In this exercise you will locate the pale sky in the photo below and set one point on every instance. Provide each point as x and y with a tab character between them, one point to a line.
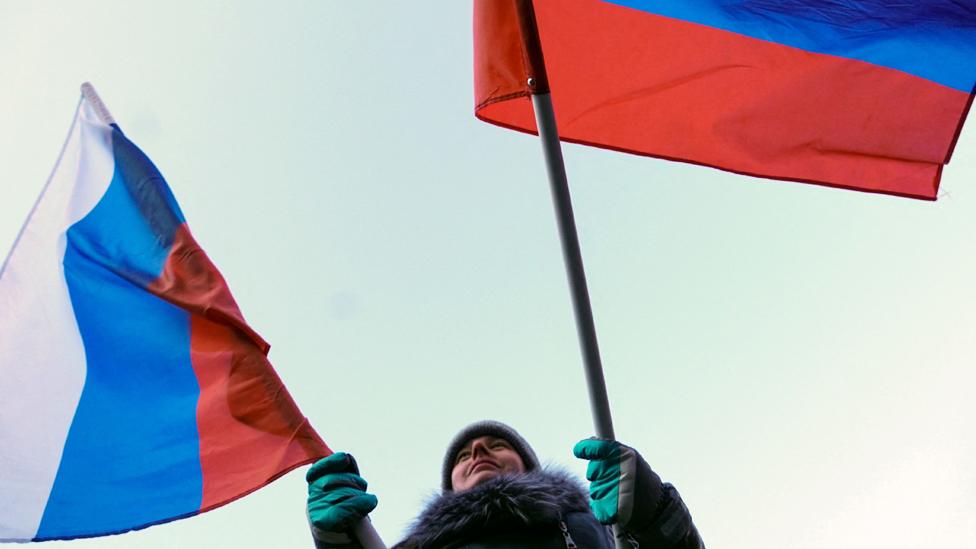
797	360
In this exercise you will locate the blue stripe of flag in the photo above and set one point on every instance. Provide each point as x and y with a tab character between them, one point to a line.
932	39
131	457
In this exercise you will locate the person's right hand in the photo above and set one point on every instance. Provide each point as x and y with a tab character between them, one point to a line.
337	497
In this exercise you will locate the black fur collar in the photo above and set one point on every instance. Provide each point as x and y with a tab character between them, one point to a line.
500	504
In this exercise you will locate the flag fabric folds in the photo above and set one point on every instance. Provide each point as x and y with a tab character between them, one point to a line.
132	392
865	94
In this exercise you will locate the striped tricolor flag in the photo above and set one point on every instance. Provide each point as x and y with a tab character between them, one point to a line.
860	94
132	392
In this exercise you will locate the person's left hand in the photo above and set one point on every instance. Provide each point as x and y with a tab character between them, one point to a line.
337	497
612	473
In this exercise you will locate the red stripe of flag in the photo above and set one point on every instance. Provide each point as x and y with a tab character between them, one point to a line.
251	431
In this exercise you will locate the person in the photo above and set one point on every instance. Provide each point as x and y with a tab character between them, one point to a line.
494	494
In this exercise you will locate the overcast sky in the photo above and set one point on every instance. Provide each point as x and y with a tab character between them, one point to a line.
797	360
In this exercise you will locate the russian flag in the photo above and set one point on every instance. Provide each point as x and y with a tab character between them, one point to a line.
861	94
132	392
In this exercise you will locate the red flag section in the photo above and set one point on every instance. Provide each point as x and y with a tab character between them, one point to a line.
626	79
251	431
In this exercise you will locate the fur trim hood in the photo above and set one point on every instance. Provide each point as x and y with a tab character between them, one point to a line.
500	504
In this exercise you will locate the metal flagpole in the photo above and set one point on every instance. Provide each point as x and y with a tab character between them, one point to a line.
545	118
367	535
546	121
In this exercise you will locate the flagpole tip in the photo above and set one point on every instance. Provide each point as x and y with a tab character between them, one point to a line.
90	95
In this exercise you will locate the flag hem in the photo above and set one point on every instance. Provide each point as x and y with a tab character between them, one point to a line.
962	121
935	182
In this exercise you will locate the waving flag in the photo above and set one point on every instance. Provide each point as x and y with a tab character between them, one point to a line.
862	94
132	392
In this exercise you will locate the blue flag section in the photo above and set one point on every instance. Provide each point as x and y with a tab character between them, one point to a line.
932	39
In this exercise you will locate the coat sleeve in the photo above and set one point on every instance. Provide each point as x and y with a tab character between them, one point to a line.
670	527
660	519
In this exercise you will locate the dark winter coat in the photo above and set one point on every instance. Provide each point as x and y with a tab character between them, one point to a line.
540	510
526	510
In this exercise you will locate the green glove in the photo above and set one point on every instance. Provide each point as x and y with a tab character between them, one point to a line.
612	474
337	497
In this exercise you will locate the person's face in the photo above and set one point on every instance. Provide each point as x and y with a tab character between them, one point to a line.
484	458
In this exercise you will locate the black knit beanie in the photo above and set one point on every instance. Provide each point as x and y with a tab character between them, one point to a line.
480	429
